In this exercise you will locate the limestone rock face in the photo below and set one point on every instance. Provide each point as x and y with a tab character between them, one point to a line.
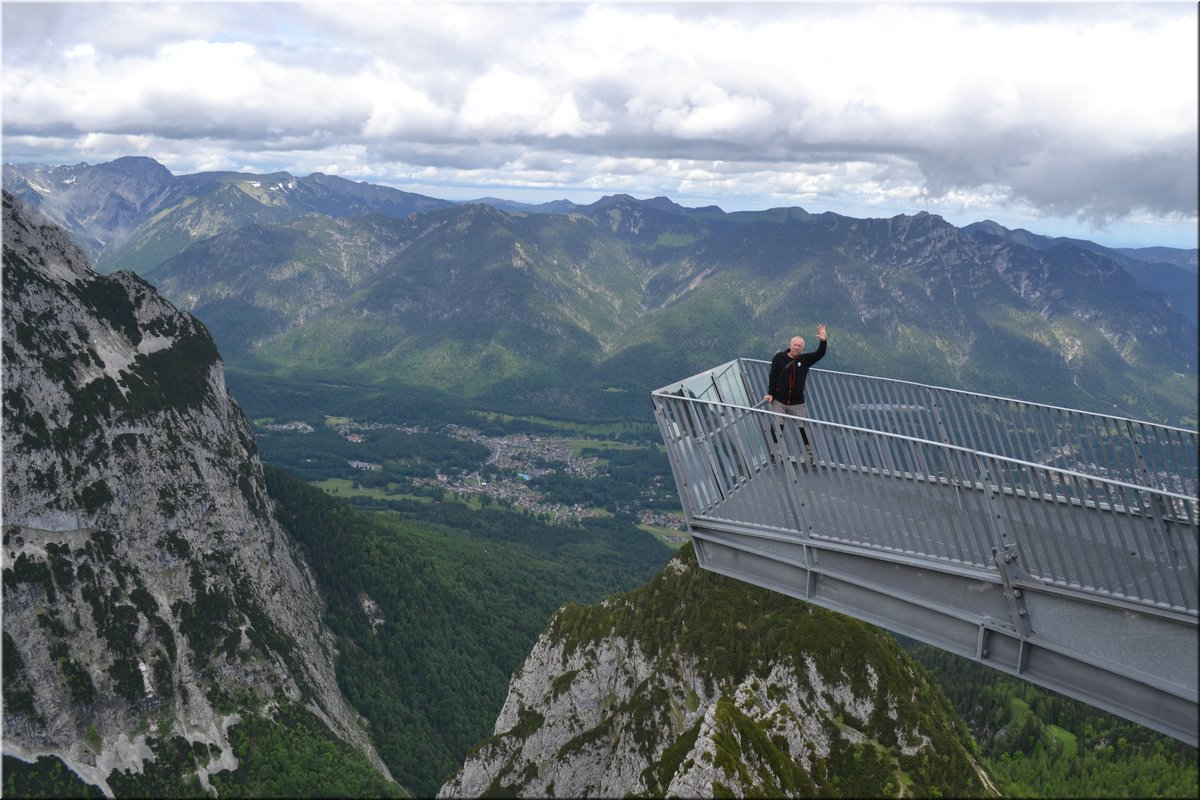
698	686
147	585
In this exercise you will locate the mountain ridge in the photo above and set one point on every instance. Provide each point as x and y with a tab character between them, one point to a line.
585	312
21	180
563	308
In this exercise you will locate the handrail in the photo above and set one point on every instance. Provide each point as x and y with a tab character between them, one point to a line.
917	440
984	395
1143	452
783	418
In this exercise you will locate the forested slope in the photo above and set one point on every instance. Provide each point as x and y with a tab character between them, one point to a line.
1038	743
434	609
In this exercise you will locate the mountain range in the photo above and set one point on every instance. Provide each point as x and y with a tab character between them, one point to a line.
579	310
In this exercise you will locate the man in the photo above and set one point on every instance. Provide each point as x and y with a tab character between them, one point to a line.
785	387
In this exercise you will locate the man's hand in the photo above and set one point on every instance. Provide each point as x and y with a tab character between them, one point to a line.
821	332
767	398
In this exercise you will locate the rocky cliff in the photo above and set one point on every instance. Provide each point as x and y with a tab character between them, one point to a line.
699	686
148	590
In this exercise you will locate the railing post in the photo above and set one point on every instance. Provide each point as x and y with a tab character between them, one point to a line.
1157	506
681	479
955	477
1005	553
746	387
1139	458
716	387
943	434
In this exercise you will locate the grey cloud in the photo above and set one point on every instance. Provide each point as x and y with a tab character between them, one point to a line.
1084	179
1101	190
450	156
34	31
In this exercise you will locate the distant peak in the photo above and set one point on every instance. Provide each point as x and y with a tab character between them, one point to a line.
629	201
664	204
138	165
126	160
987	226
613	199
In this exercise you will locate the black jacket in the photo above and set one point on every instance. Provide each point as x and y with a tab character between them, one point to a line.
786	384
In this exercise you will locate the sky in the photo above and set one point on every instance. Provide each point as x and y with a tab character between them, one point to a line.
1073	119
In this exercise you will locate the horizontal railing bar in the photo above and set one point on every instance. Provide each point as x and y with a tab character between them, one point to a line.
965	393
944	446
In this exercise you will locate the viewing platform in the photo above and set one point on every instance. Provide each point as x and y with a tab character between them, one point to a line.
1052	544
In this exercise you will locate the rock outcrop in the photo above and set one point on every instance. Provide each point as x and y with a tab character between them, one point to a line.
700	686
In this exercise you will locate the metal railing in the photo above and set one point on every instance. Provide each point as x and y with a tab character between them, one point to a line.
1143	453
1085	502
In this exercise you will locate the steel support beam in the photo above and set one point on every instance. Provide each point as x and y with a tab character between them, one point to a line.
1144	668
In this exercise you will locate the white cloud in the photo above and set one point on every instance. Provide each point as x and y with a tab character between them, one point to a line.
1072	111
397	107
83	50
502	103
